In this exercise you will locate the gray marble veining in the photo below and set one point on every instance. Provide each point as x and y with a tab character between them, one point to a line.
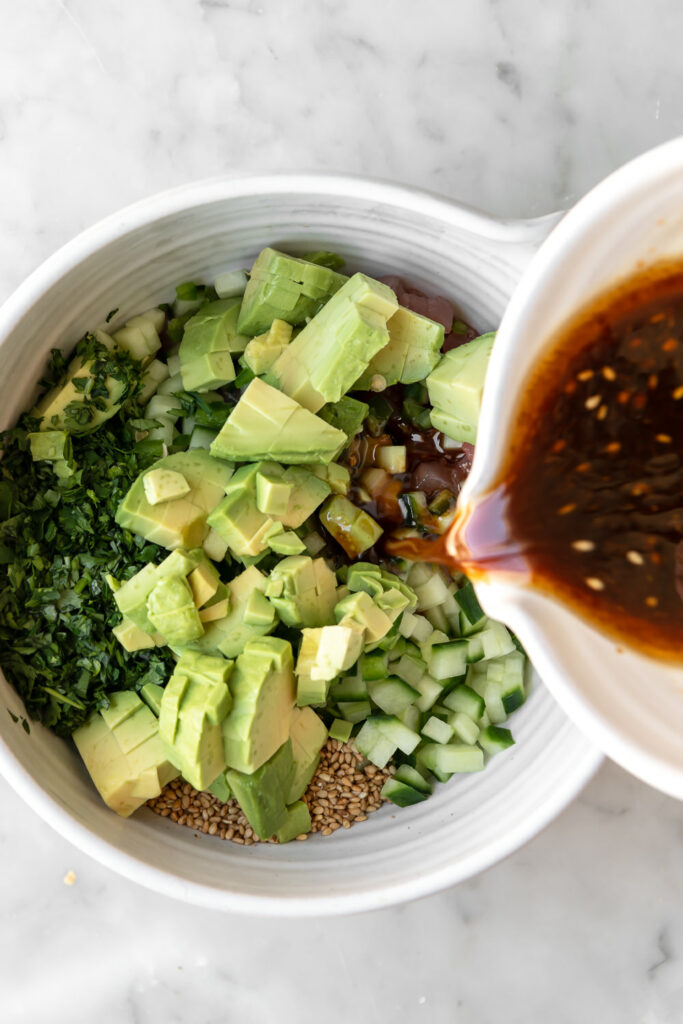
514	107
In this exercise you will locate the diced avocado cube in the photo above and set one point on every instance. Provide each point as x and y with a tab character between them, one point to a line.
262	687
123	753
337	477
131	597
131	637
456	387
220	788
164	485
209	338
284	287
217	608
63	407
51	445
412	352
238	521
155	374
172	611
334	348
204	581
262	794
152	693
214	546
308	735
180	523
229	635
362	609
204	668
303	591
340	730
190	720
273	493
298	823
347	414
328	651
353	529
287	543
266	424
262	351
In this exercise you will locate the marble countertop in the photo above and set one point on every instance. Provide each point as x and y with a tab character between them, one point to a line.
513	107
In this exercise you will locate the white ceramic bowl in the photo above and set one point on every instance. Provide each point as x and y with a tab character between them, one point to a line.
132	260
632	706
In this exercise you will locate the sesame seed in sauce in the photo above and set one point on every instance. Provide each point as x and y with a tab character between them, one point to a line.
585	375
593	402
635	558
651	601
602	412
583	545
663	438
608	373
594	583
566	509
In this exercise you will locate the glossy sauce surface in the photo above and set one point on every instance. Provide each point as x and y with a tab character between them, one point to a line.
589	504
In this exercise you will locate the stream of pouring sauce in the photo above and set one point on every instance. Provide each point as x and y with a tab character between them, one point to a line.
588	505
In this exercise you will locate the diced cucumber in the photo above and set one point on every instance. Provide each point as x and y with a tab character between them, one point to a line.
412	777
467	628
349	688
230	284
392	695
496	640
415	627
402	794
438	619
452	757
375	745
435	729
404	738
467	599
464	728
411	717
429	691
448	659
493	739
432	593
374	666
355	710
475	648
464	698
410	668
341	730
311	691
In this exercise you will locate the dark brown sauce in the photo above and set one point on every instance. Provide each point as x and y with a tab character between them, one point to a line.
589	503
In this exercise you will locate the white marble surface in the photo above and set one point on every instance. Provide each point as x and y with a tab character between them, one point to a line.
514	107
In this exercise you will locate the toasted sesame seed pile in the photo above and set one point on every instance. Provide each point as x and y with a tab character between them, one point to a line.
343	791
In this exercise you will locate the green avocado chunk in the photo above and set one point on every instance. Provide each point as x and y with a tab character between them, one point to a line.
262	351
263	692
182	522
195	702
308	735
298	822
262	794
172	611
335	347
131	596
283	287
51	445
251	615
266	424
347	414
303	591
64	406
413	350
123	753
209	338
353	528
456	387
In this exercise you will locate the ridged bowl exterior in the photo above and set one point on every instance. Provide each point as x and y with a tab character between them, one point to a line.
133	260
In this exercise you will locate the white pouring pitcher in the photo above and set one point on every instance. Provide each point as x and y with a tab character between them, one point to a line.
629	704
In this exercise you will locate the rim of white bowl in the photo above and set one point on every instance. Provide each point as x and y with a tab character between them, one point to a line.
83	245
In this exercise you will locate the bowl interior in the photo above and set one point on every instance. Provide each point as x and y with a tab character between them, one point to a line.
631	220
133	262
